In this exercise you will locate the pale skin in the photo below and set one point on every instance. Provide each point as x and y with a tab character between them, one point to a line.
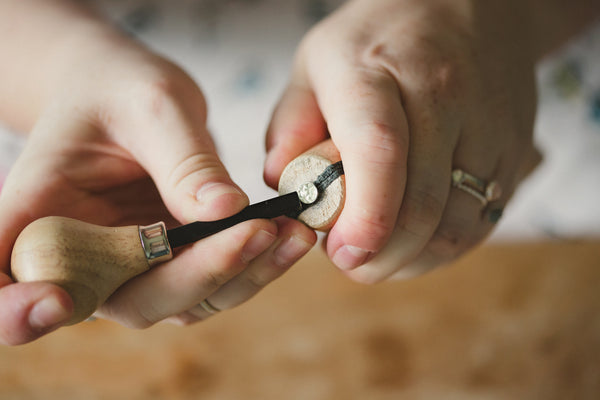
407	90
117	136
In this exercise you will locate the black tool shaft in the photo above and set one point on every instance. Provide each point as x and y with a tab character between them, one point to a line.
289	205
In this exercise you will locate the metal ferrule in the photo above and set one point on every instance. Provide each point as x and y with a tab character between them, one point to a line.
155	243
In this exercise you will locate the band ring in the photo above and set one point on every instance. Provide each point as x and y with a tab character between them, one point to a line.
484	192
209	308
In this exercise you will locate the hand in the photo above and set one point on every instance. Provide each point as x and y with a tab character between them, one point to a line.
408	91
124	142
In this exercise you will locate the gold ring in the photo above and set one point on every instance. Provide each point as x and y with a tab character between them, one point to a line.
209	308
484	192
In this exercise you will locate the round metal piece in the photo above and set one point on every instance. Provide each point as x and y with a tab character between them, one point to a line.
308	193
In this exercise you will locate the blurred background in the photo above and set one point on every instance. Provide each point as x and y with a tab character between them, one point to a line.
240	53
518	318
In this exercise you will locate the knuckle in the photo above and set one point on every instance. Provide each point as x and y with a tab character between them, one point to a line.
216	279
130	314
374	228
257	281
383	142
142	320
442	77
131	310
448	243
163	88
421	213
438	73
156	94
217	276
441	83
208	163
379	54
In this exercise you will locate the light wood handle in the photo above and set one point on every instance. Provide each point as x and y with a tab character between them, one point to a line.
306	168
90	262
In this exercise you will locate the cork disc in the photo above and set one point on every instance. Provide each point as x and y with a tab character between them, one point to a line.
306	168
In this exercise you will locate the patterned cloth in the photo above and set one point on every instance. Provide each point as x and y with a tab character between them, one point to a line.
561	197
240	52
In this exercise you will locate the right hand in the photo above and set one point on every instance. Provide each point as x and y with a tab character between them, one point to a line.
408	91
123	141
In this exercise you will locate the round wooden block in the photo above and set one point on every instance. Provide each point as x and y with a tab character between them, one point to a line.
306	168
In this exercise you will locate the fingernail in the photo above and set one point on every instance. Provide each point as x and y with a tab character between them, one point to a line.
290	250
212	191
48	313
256	245
349	257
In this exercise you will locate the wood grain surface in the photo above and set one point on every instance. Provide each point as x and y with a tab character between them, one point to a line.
89	261
307	168
505	322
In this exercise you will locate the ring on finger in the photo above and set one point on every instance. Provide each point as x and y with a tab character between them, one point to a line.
208	307
484	192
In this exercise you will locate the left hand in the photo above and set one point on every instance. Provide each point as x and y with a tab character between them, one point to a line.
409	91
124	142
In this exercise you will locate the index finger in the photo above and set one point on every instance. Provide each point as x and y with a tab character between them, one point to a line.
365	117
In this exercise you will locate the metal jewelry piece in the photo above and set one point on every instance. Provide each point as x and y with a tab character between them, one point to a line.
484	192
209	308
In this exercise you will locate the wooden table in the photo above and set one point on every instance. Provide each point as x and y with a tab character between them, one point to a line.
505	322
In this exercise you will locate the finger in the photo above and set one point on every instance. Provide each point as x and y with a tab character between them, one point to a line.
170	140
294	241
31	310
423	204
434	132
466	221
296	126
461	228
190	277
367	123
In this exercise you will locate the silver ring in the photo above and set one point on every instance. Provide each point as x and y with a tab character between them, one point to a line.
209	308
484	192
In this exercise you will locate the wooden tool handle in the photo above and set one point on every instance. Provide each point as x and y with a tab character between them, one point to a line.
306	168
90	262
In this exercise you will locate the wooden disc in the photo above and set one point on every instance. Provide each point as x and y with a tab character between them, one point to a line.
306	168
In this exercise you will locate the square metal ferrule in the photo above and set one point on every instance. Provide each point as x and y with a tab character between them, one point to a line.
155	243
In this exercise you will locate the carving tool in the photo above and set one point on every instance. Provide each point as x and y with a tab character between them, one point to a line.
90	262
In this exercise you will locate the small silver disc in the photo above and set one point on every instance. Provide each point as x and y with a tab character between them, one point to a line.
308	193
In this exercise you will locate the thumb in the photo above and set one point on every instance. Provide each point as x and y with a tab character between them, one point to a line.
296	126
193	182
171	142
31	310
27	310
